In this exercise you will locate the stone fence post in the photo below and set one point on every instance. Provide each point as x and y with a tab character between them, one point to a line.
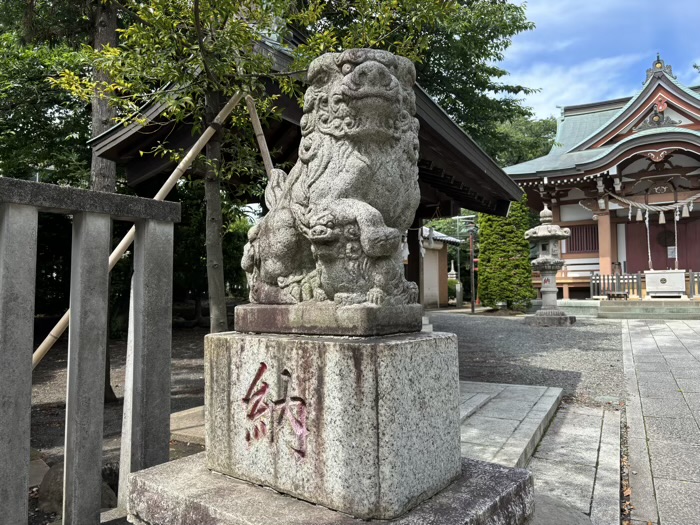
148	398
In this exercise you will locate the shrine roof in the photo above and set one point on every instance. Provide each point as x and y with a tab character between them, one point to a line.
577	162
585	132
440	237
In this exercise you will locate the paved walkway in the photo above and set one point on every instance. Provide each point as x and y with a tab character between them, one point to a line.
662	375
504	423
578	462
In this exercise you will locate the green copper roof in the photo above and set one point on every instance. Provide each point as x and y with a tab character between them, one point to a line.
576	128
581	125
576	161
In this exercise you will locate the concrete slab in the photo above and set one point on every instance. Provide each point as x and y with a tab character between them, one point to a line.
690	385
680	462
473	403
506	408
114	517
659	391
605	506
678	502
37	471
569	448
187	426
660	407
551	511
690	372
185	492
512	422
565	481
643	499
481	387
671	429
480	452
487	430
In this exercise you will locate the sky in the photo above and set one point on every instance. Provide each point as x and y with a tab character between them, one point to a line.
593	50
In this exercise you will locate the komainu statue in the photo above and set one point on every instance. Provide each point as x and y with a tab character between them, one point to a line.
336	221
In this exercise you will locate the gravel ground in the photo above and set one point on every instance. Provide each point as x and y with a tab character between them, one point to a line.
585	360
49	391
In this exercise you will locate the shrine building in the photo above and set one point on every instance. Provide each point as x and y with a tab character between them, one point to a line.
624	176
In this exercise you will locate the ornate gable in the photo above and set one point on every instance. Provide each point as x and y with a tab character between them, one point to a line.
662	103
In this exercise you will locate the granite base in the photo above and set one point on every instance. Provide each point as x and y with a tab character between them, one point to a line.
328	319
185	492
366	426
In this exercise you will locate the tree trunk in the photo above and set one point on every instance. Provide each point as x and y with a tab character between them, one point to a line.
103	172
28	21
218	321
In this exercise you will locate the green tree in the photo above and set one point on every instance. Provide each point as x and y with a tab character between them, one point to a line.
505	274
524	139
190	260
42	130
456	45
187	56
460	69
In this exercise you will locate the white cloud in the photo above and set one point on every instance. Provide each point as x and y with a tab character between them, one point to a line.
593	50
561	13
522	48
593	80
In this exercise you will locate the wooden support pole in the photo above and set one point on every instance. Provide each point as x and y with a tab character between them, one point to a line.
167	187
259	135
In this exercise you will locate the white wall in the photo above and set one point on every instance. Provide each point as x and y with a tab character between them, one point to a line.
581	267
574	212
622	244
431	276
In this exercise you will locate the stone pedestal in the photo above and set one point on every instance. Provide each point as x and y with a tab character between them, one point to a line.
366	426
185	492
560	319
550	314
549	288
327	318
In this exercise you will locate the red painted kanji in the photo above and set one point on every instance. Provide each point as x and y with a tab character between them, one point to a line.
256	406
264	414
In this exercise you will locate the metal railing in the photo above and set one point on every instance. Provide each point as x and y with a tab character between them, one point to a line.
146	420
621	285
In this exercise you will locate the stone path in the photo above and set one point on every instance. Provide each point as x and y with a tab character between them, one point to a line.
503	423
662	375
578	462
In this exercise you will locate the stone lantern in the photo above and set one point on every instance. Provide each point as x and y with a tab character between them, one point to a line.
546	237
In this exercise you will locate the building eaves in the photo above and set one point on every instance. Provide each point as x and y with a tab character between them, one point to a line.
577	162
440	237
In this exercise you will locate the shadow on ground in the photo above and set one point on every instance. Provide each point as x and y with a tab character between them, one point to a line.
584	360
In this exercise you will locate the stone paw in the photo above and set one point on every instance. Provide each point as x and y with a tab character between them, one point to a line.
320	295
294	291
306	292
382	242
376	296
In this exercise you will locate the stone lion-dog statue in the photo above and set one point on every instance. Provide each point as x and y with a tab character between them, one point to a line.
336	221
